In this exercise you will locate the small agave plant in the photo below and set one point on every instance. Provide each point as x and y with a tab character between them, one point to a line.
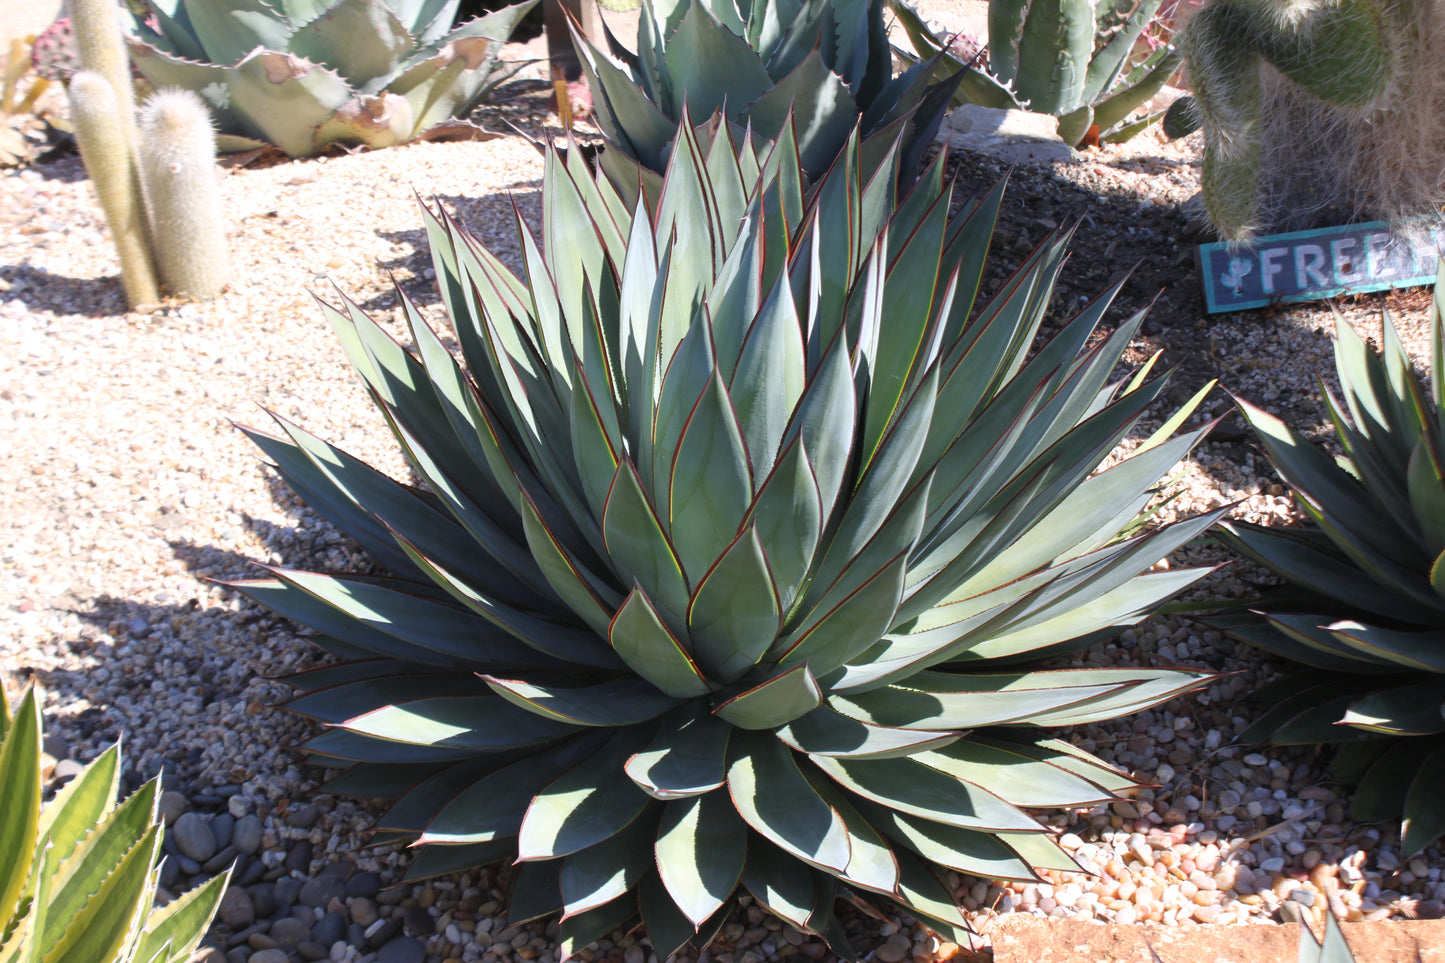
302	74
78	875
760	63
1364	603
1072	59
739	527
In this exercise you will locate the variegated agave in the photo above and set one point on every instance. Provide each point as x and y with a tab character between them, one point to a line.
738	527
302	74
1364	607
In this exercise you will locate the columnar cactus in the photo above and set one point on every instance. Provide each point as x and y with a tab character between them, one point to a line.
103	133
177	154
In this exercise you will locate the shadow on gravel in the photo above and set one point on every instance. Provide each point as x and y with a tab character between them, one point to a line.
43	291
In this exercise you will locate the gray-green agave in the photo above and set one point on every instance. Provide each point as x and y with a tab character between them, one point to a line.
302	74
737	526
826	63
1067	58
78	875
1364	606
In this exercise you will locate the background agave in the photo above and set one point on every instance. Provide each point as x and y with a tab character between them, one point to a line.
718	578
78	877
759	62
306	73
1365	603
1070	59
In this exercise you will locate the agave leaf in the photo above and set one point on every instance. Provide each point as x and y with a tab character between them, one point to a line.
911	787
449	79
623	110
871	863
620	702
951	701
20	817
584	928
183	69
649	649
700	849
231	29
437	860
820	105
482	723
586	594
707	64
964	850
1381	789
639	547
338	744
778	701
359	39
711	483
826	732
286	98
1424	820
536	891
854	623
687	757
769	378
80	804
607	869
926	895
1424	651
1400	710
734	613
1022	780
421	799
104	921
663	919
787	516
782	884
179	926
1112	110
776	799
492	807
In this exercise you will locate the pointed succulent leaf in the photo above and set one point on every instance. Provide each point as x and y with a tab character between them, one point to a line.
623	702
912	787
826	732
652	651
231	29
359	39
285	98
20	817
776	702
734	614
776	799
607	869
700	848
687	757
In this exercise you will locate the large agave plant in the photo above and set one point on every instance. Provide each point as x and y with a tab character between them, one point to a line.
302	74
760	63
78	875
734	534
1364	606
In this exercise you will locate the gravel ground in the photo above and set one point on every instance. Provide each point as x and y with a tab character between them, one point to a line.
129	490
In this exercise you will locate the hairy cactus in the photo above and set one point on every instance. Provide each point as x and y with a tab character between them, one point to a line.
102	50
177	155
1061	57
104	133
1345	124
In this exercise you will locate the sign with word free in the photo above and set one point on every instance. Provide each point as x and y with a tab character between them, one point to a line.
1309	265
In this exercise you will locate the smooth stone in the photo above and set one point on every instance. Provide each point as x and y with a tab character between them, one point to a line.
244	937
253	872
172	805
270	956
1017	136
303	817
222	826
246	834
259	940
319	892
341	869
193	838
170	872
187	865
286	891
384	933
419	921
263	897
238	955
364	884
298	860
363	910
208	954
356	935
237	910
206	800
66	770
313	951
329	929
403	949
289	932
219	861
393	895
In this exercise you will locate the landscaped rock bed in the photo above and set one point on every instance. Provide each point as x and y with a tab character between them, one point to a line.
129	493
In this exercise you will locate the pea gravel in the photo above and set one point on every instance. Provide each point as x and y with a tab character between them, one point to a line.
129	492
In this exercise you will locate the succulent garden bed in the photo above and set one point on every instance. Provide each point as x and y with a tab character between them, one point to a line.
130	493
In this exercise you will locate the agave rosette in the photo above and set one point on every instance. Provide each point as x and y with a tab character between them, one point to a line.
735	535
760	64
1364	603
302	74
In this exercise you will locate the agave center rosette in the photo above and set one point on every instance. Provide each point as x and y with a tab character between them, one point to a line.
1364	607
302	74
737	528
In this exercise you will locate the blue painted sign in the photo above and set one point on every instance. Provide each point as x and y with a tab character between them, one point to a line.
1309	265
